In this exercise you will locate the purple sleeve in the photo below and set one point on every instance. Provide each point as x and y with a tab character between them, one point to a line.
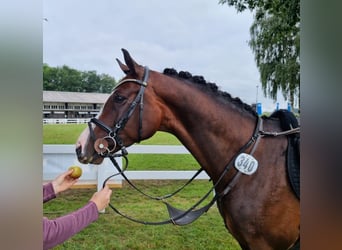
48	192
60	229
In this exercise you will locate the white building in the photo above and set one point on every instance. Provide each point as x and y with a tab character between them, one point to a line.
59	104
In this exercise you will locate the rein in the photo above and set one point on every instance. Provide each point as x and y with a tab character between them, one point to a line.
287	132
177	216
158	198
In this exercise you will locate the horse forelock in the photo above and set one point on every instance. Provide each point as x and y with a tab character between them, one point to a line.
208	87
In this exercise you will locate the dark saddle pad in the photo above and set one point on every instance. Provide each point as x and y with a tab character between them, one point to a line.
293	164
289	121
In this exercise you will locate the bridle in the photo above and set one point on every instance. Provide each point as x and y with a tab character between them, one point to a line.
102	145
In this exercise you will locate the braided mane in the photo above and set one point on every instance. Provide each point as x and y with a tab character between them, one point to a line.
209	87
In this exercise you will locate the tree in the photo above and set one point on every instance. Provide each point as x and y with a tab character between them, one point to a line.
67	79
70	80
275	41
51	77
90	81
107	83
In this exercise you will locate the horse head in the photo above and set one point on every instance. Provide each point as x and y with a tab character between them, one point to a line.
129	115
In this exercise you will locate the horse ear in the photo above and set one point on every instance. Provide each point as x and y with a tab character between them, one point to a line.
131	64
123	67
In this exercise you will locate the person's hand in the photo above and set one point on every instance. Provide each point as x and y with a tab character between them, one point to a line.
102	198
63	182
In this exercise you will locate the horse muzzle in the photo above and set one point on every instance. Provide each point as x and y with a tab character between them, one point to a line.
86	158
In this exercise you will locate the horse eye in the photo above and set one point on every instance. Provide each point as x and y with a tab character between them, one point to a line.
119	98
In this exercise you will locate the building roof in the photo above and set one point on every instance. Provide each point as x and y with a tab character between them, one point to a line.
74	97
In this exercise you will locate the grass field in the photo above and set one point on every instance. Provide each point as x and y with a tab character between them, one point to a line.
111	231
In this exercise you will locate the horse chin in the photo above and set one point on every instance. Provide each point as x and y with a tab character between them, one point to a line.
95	159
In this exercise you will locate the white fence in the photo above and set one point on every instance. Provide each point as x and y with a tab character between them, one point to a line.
57	159
65	120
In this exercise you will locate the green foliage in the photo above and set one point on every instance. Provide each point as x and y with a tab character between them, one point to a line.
67	79
241	5
275	41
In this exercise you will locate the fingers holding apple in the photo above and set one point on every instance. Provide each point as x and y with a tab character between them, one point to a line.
76	173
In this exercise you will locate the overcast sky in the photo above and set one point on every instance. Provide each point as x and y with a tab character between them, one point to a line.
199	36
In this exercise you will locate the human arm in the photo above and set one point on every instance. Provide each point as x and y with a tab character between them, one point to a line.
63	181
59	184
48	192
102	198
60	229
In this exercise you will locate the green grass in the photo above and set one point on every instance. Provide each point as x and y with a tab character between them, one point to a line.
62	133
111	231
68	134
161	162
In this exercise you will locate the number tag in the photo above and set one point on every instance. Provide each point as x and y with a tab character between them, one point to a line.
246	164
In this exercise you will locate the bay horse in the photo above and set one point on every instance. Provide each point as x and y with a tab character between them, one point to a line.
258	207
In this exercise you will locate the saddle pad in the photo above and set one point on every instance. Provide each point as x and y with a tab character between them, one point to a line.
293	164
287	122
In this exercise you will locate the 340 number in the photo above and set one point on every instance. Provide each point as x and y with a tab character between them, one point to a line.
246	163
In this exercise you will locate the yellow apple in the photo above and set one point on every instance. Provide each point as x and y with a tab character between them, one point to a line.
76	173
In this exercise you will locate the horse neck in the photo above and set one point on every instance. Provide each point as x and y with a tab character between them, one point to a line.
211	130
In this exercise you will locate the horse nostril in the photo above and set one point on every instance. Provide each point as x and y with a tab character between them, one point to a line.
78	150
